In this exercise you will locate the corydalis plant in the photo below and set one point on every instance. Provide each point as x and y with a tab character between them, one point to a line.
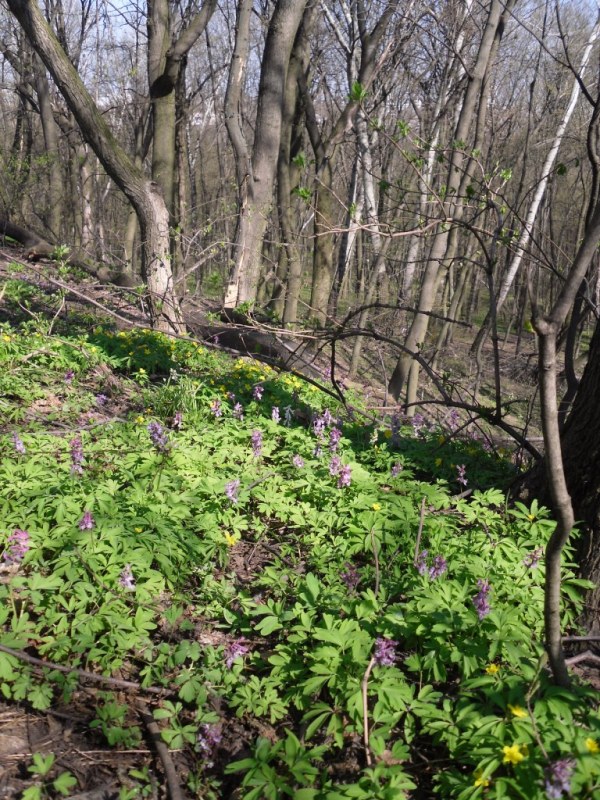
17	545
77	459
159	437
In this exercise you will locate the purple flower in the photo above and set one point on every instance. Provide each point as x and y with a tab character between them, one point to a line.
275	415
439	566
350	576
209	739
231	397
298	461
422	562
461	476
395	424
327	417
396	469
158	436
177	421
17	544
257	392
335	465
318	427
417	423
69	375
256	440
231	490
87	522
453	420
558	778
235	649
18	445
345	477
101	399
335	435
126	579
76	455
481	601
216	409
531	560
238	411
318	451
385	652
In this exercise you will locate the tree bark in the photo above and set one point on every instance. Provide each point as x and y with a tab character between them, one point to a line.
144	195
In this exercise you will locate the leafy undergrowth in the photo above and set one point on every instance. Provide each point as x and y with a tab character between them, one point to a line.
310	605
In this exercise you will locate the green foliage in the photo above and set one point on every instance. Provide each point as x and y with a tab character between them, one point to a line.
256	587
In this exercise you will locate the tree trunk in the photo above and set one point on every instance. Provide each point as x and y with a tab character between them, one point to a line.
144	195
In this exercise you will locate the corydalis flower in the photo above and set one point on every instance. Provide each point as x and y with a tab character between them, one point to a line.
287	416
461	474
126	579
558	779
345	477
350	576
335	435
101	399
256	440
158	436
531	560
231	490
481	600
275	415
17	544
18	445
335	465
257	392
318	427
417	423
421	564
238	411
76	446
87	522
396	469
439	566
385	652
177	421
209	739
216	408
298	461
234	650
69	375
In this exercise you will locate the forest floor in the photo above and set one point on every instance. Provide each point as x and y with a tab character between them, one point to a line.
67	744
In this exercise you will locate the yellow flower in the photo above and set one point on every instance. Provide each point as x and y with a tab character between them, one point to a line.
6	338
138	530
141	369
139	419
492	669
230	539
592	745
479	780
376	506
514	753
438	462
517	711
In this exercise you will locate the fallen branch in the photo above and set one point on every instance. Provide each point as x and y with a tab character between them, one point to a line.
173	785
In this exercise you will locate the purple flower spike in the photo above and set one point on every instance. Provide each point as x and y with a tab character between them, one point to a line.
350	576
87	522
238	411
460	474
531	560
232	489
335	435
335	465
385	652
69	375
209	739
76	456
17	544
345	477
18	445
318	427
298	461
422	562
234	650
481	600
558	779
256	439
126	579
257	392
101	399
216	409
275	415
396	469
439	566
158	436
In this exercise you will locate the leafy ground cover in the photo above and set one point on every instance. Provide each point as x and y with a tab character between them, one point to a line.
307	603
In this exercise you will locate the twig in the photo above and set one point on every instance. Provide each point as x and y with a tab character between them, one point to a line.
587	656
420	532
365	700
376	557
173	785
90	676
